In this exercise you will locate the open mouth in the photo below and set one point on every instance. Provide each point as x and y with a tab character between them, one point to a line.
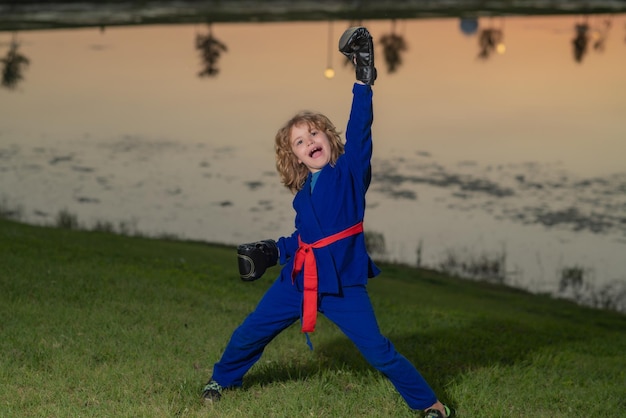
315	152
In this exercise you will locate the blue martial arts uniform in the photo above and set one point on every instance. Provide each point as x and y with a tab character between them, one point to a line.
335	203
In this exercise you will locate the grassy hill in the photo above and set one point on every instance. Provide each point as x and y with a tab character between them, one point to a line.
97	324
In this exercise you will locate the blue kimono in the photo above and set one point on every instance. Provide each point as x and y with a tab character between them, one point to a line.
344	267
336	203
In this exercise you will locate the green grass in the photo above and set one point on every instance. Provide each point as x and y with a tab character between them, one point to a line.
101	325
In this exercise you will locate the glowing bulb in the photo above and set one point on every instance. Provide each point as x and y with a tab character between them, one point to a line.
329	73
501	48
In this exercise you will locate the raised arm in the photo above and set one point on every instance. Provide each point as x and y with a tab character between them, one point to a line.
357	44
359	129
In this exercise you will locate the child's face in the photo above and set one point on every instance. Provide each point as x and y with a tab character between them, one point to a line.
311	146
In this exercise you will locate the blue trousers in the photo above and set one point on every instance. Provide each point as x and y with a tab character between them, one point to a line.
352	312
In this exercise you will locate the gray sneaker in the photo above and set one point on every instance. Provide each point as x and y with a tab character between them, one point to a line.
212	392
435	413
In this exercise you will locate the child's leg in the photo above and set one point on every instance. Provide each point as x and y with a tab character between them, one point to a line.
279	308
354	315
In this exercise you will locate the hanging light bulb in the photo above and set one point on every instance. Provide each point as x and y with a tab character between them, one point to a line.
329	72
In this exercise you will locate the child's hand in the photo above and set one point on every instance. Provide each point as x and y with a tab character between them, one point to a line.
356	44
254	258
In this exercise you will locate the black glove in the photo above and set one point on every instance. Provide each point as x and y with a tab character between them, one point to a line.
255	257
356	44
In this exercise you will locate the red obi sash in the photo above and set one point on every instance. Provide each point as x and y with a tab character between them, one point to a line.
305	258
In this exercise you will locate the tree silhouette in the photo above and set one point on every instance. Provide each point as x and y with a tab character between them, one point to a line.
488	40
586	33
602	34
491	40
211	50
13	66
580	41
393	46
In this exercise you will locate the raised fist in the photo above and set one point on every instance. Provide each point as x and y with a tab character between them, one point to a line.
356	44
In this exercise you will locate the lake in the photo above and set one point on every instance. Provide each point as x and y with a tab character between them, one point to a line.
498	140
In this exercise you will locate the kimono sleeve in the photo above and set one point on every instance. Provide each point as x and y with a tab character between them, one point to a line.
287	247
359	132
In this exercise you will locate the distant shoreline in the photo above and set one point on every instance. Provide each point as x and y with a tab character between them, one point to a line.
41	14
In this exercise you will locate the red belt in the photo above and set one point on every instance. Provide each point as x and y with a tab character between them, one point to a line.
305	258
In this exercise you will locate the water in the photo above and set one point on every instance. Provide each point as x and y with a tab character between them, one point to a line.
518	153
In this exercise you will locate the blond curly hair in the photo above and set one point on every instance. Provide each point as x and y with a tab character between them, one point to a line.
293	174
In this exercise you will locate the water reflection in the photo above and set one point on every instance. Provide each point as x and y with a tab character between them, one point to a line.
14	63
329	72
488	30
524	154
468	25
211	50
585	33
491	39
394	45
